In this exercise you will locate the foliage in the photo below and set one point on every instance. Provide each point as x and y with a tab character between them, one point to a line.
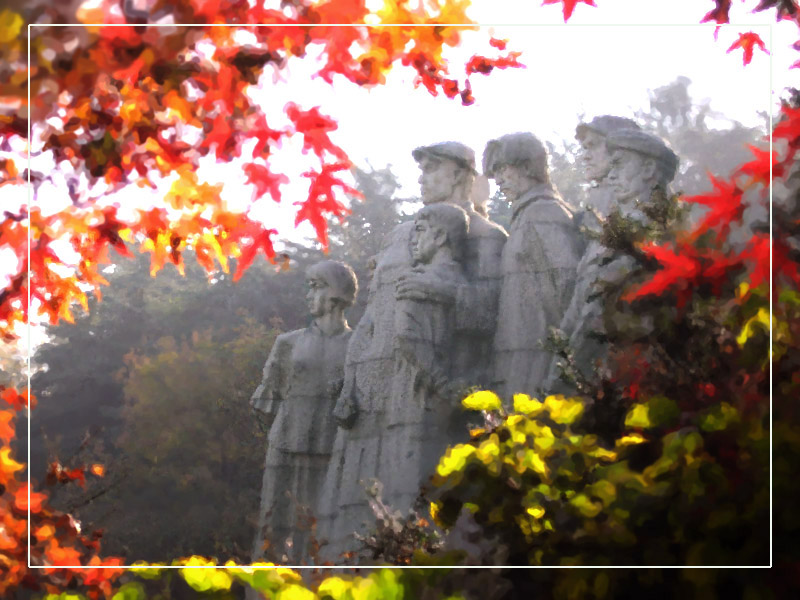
131	103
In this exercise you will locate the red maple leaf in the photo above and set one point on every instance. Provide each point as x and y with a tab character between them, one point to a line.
315	127
783	267
725	206
499	44
263	135
679	269
748	42
220	134
759	169
719	14
17	400
261	240
265	180
569	6
322	199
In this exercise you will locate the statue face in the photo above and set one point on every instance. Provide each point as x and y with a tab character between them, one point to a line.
319	296
437	180
424	241
513	182
626	176
595	156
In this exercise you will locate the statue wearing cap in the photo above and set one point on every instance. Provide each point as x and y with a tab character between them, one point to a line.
360	450
640	164
538	262
596	160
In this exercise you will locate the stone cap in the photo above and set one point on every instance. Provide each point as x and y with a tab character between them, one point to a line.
605	125
514	149
456	151
645	143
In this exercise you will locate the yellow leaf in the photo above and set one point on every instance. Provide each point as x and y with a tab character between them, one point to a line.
537	512
631	439
563	410
638	416
526	405
455	459
295	592
760	320
10	26
482	401
335	587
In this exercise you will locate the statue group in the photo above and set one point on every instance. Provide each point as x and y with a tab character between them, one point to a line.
454	302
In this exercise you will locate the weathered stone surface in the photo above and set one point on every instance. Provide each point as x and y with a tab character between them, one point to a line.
302	379
583	315
386	425
538	262
640	163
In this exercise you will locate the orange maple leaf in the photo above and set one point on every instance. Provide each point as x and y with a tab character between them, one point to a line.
7	426
21	500
748	42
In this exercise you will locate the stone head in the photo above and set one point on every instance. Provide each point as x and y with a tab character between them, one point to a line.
331	284
592	137
517	162
640	162
448	170
438	226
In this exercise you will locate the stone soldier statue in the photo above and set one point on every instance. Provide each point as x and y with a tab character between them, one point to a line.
600	201
596	160
423	398
538	262
298	391
639	164
448	171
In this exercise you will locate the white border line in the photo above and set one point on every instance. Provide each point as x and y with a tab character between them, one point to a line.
467	28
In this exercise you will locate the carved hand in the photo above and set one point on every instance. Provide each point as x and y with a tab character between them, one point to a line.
417	286
345	411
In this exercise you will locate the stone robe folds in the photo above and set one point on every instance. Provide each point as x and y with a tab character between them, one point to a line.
359	451
538	265
300	384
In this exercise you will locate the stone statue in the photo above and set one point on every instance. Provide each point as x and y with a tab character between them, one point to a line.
302	379
360	449
582	313
597	160
538	262
423	401
639	163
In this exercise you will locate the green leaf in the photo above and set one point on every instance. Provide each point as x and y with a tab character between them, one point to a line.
130	591
719	417
482	401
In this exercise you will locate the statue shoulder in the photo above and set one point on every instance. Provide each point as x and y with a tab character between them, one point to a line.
483	227
552	210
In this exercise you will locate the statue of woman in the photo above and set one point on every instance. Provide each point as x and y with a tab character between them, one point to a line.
302	380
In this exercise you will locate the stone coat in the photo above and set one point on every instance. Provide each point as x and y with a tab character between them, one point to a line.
301	381
361	450
538	265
